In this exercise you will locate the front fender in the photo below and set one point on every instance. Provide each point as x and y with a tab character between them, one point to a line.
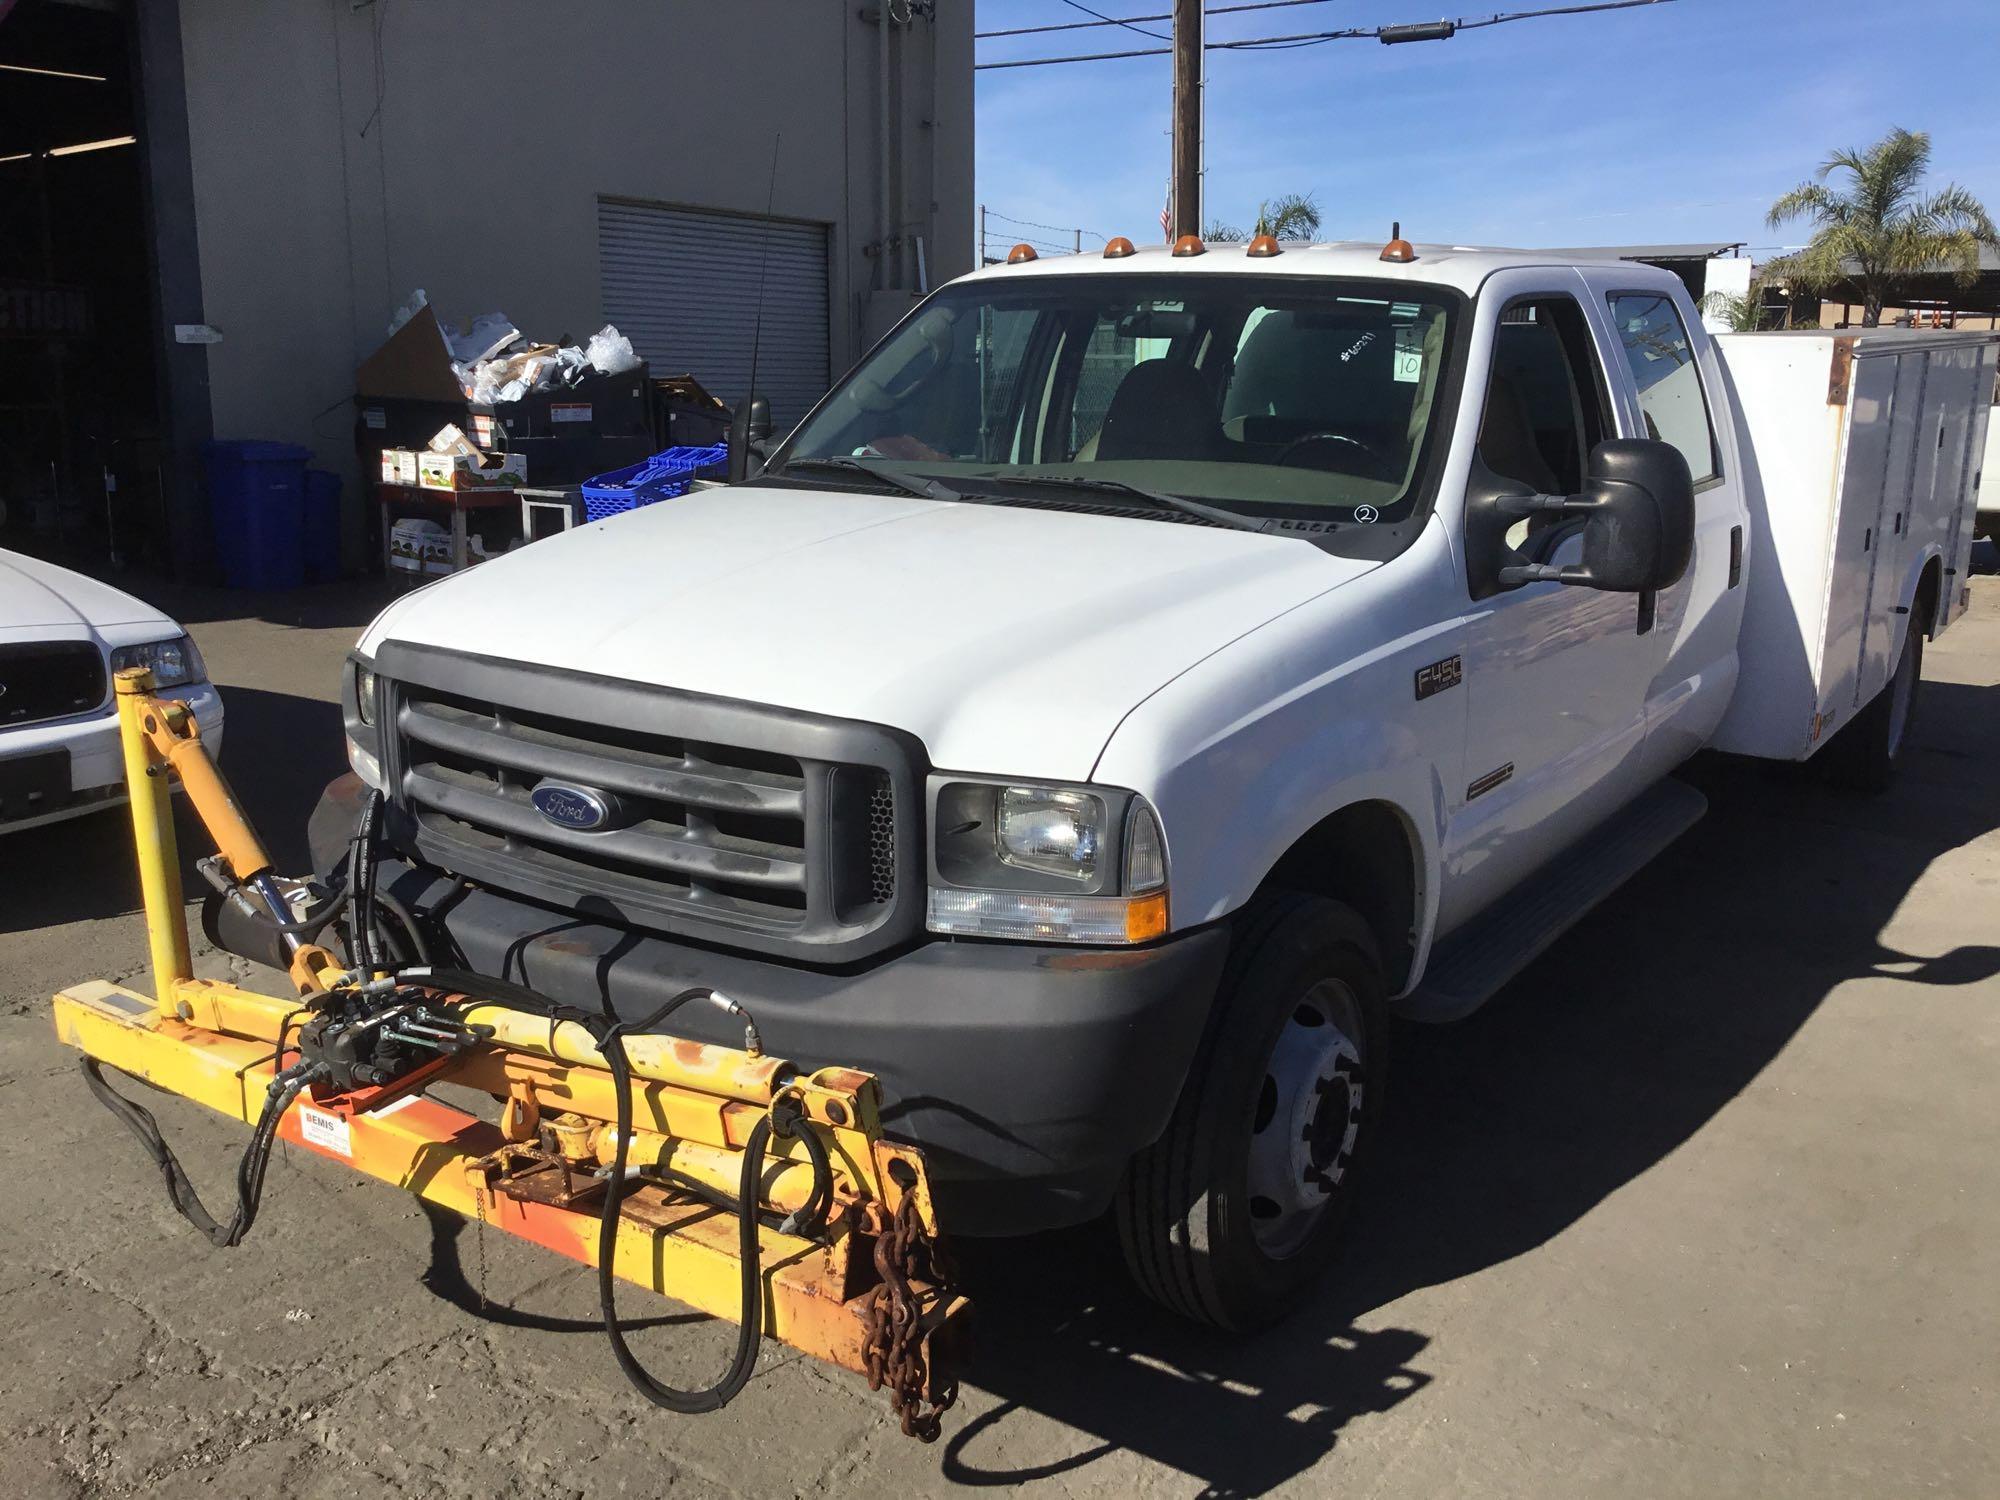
1250	749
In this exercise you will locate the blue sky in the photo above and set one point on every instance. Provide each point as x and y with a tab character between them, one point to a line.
1671	123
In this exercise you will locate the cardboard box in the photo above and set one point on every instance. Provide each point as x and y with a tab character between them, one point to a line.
485	473
399	466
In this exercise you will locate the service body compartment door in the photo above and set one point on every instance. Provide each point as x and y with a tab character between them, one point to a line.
1885	401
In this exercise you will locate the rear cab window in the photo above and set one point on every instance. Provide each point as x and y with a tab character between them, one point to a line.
1661	358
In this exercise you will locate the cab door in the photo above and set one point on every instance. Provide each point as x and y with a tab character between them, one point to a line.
1671	392
1556	675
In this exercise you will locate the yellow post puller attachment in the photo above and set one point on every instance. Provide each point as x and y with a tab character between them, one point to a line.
724	1177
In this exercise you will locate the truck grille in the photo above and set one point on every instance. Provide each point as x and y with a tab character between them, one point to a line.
49	680
741	824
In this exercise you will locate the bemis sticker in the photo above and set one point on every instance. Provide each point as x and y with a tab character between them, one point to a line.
326	1130
1409	355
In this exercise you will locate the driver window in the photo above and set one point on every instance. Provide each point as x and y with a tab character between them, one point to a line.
1545	402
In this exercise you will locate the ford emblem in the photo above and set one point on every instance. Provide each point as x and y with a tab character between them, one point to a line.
583	808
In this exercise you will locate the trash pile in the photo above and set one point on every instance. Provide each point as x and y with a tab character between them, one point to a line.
495	363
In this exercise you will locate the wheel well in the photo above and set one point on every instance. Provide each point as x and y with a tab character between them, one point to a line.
1923	609
1363	855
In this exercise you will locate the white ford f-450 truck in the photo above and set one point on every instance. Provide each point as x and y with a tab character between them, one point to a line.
1144	675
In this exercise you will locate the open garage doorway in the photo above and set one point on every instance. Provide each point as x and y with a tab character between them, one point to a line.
81	473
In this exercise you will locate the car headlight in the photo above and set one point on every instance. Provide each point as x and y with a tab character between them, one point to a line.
174	663
1062	864
364	693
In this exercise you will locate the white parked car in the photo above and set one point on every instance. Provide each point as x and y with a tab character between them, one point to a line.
62	635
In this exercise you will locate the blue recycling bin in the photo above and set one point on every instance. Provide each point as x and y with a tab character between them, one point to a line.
256	497
322	526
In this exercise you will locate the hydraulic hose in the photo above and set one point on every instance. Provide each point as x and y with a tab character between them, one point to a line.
361	883
249	1171
610	1039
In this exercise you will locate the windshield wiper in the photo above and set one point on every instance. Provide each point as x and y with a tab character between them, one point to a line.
914	484
1160	498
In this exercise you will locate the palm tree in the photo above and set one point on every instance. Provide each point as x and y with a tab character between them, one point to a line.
1290	216
1743	313
1880	229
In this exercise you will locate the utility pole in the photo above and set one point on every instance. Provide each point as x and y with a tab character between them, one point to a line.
1187	117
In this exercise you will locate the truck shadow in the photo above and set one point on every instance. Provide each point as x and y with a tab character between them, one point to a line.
1613	1050
279	751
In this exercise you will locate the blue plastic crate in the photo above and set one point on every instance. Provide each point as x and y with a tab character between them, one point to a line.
660	477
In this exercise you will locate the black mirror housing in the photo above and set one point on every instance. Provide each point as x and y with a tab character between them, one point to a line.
1638	509
749	431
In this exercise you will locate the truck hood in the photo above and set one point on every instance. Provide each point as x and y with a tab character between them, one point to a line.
40	600
1008	639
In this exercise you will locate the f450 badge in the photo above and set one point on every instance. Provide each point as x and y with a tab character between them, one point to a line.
1438	676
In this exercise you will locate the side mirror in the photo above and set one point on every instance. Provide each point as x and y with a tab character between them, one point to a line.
1637	508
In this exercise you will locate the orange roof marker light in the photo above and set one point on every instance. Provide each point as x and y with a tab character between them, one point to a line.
1190	244
1020	253
1263	246
1118	247
1399	250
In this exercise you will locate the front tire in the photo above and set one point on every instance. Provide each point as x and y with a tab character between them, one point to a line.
1242	1203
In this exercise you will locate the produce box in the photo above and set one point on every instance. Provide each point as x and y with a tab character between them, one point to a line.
399	466
482	472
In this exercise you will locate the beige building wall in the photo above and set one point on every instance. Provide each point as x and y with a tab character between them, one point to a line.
344	156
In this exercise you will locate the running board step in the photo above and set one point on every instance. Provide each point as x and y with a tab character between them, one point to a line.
1468	968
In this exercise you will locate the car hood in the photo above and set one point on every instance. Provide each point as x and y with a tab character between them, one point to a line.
40	600
1008	639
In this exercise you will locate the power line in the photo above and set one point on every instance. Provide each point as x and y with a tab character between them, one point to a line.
1104	20
1126	21
1427	31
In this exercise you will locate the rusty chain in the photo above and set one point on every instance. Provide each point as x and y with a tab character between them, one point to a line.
892	1340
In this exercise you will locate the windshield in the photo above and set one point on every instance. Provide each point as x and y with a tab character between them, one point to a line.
1271	397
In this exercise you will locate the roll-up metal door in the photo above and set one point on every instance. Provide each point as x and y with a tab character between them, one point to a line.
682	285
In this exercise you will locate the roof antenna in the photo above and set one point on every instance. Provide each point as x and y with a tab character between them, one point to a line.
751	422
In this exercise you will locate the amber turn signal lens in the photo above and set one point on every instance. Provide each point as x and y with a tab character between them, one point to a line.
1020	253
1146	917
1264	245
1117	248
1189	244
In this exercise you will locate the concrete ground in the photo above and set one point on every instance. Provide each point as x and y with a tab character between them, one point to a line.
1707	1204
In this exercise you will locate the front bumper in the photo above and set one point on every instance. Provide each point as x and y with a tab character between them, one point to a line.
96	760
1028	1075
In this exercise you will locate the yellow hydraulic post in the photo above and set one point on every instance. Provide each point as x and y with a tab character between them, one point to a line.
152	805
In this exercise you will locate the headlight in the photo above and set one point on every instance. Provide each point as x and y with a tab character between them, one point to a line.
174	663
1046	863
1054	833
360	707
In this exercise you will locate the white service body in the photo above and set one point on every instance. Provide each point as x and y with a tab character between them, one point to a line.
1867	452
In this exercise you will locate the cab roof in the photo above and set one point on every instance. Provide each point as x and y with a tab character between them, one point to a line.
1463	267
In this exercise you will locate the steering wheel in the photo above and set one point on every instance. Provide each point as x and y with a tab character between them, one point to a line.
1285	455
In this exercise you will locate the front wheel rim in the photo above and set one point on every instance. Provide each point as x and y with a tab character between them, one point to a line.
1307	1119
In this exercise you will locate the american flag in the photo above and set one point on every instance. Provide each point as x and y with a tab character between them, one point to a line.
1167	213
